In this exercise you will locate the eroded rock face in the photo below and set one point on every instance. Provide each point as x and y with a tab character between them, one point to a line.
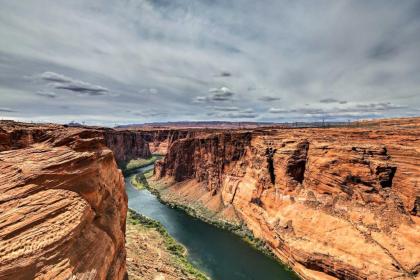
204	158
127	145
332	203
62	205
160	139
133	144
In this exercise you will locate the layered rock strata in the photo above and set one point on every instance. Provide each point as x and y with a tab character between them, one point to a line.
332	203
126	145
62	204
160	139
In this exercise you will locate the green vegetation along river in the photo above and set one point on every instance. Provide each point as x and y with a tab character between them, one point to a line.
220	254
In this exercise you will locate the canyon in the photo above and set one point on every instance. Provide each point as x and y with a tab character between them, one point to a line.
330	202
333	202
63	204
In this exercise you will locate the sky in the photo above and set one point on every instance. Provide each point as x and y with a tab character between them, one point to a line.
109	62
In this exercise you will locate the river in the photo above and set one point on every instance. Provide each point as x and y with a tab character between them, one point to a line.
219	253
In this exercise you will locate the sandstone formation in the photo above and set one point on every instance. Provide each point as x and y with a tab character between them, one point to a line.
331	202
160	139
62	204
136	143
126	145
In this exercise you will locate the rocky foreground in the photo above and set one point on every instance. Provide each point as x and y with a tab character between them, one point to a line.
330	202
62	204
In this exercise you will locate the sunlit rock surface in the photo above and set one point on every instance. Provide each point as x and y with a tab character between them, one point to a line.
62	204
330	202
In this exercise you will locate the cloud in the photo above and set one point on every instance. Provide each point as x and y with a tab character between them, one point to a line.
200	99
332	100
248	111
149	91
59	81
236	115
147	114
221	94
54	77
351	111
7	110
241	115
305	111
48	94
269	98
381	106
183	48
278	111
225	74
232	113
383	50
226	109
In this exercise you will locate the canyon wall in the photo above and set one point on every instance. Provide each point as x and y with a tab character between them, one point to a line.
332	203
62	204
126	145
160	139
133	144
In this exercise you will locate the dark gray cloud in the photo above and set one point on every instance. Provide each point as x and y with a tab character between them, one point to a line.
48	94
279	111
221	94
332	100
269	98
225	74
87	89
59	81
383	50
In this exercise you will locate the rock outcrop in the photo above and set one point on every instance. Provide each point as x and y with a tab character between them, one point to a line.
160	139
62	204
126	145
332	203
134	144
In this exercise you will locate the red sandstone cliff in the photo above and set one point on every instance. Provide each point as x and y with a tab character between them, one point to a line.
62	204
160	139
127	145
333	203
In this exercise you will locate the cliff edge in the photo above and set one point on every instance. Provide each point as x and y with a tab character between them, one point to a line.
62	204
